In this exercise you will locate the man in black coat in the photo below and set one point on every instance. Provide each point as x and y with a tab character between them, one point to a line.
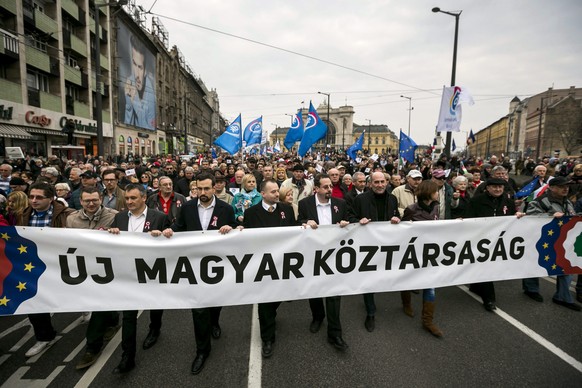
494	202
322	209
138	219
374	205
267	214
204	213
358	187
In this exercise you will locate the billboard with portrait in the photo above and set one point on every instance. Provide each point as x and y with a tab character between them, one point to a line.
136	83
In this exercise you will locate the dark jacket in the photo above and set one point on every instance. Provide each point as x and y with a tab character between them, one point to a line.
155	220
421	212
365	206
153	202
308	210
485	205
188	219
183	186
257	217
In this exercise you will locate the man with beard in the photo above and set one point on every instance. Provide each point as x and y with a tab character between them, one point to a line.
204	213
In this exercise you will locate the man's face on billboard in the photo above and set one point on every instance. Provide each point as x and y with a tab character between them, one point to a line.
138	67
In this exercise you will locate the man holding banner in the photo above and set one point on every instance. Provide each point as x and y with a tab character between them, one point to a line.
204	213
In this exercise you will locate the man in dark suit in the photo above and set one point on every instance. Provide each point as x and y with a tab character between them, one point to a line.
138	219
204	213
374	205
267	214
358	187
322	209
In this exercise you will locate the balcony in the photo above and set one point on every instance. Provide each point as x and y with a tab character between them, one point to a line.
8	45
71	8
73	75
10	91
44	23
81	109
78	46
104	62
50	102
38	59
9	5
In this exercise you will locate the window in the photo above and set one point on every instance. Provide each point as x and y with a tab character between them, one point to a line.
383	140
72	62
32	41
38	5
72	91
37	81
376	140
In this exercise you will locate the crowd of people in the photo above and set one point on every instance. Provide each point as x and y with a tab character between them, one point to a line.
164	195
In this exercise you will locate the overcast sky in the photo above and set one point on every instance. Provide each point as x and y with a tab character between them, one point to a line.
506	48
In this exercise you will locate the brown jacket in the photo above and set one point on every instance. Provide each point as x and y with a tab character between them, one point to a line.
60	214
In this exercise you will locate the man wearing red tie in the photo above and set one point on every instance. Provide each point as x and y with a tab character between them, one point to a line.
138	219
204	213
323	209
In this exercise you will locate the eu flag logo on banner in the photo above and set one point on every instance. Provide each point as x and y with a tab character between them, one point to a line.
354	148
295	133
407	147
254	131
560	246
315	130
231	139
20	270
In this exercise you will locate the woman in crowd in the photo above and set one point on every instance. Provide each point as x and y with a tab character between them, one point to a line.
146	179
246	197
16	203
280	175
230	170
193	190
286	196
460	200
154	187
63	191
426	209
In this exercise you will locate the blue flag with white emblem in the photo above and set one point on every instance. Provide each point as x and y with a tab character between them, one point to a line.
315	130
254	131
354	148
295	133
231	139
407	147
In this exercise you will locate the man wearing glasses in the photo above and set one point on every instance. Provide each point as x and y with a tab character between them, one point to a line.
113	196
43	211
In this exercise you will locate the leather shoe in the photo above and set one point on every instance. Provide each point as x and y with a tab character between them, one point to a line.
534	295
489	306
338	343
315	326
198	363
571	306
151	339
127	363
370	324
267	350
216	331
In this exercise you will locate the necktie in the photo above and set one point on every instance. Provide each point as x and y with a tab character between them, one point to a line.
271	209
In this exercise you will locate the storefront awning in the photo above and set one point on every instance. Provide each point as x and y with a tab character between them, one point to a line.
43	131
14	132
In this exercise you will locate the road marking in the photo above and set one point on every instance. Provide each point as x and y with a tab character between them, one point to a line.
75	351
34	359
16	381
532	334
106	354
255	357
24	322
3	358
29	334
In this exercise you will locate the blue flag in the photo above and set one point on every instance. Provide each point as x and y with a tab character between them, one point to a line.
527	189
354	148
407	147
471	139
315	130
213	153
231	139
454	145
295	133
254	131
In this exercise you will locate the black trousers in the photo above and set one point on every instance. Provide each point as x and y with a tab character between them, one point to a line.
98	325
485	290
215	315
156	319
43	327
202	330
129	333
267	315
332	305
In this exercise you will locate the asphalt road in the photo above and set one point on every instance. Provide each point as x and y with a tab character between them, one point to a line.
524	344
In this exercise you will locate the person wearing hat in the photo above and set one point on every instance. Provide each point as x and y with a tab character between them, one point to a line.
18	184
554	202
301	187
492	203
405	194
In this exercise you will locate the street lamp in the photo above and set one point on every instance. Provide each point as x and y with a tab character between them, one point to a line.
456	15
410	108
98	99
326	132
369	135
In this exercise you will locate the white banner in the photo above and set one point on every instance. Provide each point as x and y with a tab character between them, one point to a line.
65	270
451	112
